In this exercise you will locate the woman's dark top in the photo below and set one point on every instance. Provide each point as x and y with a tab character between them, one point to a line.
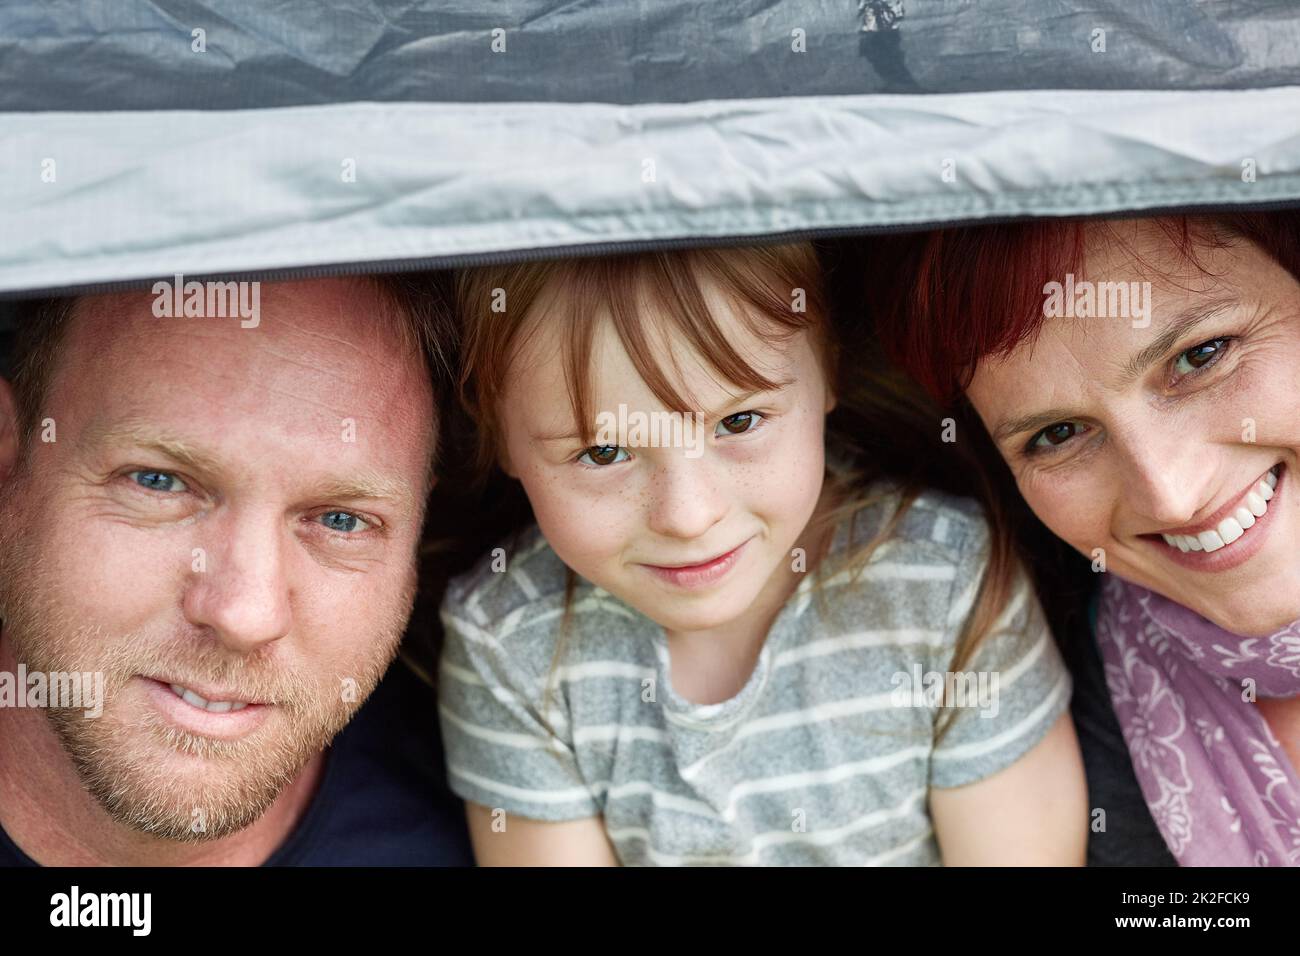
1130	837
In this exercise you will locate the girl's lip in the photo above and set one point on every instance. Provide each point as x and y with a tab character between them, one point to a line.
699	575
1235	554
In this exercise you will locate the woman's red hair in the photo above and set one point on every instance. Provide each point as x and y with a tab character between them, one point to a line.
946	299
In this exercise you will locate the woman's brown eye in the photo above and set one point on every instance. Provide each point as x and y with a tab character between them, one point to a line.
1200	356
1060	432
1057	434
739	423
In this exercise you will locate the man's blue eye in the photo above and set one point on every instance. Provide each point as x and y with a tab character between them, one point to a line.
158	481
343	521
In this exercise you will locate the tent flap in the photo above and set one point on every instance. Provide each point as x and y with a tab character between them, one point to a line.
95	198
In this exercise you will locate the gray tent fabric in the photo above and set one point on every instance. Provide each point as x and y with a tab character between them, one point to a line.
140	54
139	140
94	199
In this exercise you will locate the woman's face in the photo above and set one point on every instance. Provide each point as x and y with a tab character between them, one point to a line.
1148	436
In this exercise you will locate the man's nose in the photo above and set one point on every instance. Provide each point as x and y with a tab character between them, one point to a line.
239	583
686	499
1166	476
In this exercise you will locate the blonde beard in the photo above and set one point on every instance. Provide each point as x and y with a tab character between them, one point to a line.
237	781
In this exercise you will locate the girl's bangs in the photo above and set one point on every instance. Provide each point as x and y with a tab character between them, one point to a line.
652	300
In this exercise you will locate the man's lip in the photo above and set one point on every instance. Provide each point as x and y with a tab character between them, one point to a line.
206	692
230	725
1212	522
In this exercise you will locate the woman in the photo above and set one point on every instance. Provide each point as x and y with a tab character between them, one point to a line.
1139	380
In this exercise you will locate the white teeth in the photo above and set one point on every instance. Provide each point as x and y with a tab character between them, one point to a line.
1210	540
1229	530
1253	507
212	707
194	699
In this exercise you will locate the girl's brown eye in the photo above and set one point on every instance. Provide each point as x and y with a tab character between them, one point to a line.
738	423
601	455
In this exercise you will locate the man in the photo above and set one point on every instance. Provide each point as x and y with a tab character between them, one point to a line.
218	519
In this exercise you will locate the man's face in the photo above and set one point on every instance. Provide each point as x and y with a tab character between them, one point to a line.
233	511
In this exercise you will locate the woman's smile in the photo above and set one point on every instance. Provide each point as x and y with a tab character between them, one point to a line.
1229	537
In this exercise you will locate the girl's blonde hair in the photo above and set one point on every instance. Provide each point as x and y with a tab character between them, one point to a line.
778	292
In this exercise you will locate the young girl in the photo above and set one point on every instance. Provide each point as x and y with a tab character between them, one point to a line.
720	644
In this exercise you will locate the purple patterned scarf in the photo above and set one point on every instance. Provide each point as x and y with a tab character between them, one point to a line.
1219	785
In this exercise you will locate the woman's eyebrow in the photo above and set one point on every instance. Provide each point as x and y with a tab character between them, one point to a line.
1033	422
1179	326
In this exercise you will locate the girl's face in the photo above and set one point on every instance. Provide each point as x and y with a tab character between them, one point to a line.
689	529
1152	443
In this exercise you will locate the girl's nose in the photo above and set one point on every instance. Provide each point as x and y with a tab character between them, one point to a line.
687	499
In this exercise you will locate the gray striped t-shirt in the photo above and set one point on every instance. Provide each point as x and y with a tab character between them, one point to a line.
825	756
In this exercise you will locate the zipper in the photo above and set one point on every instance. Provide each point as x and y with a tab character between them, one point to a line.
507	257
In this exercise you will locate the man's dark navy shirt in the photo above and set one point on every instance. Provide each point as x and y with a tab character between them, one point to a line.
383	798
